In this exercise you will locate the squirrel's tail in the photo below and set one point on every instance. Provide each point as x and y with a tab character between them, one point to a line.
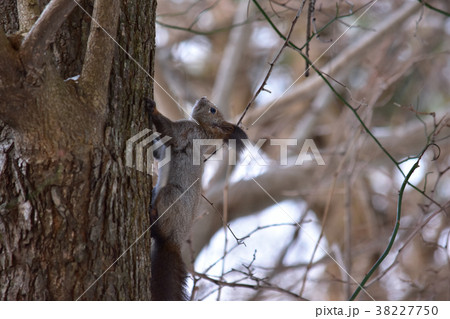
168	272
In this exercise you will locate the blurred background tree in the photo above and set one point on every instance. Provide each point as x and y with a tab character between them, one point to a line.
315	231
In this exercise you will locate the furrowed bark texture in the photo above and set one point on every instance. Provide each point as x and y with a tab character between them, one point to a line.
9	18
69	208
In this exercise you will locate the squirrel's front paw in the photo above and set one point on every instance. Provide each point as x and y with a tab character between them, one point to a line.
153	215
150	106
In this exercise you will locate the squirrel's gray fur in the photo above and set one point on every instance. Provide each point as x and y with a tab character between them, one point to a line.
177	194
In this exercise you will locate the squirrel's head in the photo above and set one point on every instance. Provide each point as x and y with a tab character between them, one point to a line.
209	117
212	121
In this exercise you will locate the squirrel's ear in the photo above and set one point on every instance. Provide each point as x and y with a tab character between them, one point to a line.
226	128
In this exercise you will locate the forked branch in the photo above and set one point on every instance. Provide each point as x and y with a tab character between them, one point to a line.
43	31
9	77
100	50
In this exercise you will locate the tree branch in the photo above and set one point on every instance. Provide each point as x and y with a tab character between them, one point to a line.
394	233
352	54
233	53
9	78
246	198
28	11
96	71
272	64
429	6
43	31
261	283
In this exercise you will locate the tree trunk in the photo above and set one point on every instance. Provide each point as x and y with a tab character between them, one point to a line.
71	213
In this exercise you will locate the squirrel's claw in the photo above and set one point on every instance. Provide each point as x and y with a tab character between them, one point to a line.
150	106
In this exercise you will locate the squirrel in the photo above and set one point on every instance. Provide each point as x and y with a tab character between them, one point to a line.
177	194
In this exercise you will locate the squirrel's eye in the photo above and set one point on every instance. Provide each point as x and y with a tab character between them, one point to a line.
212	110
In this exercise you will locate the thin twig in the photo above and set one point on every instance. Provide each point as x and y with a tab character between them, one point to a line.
198	32
225	224
257	229
395	231
272	64
238	240
261	284
400	250
352	53
309	21
429	6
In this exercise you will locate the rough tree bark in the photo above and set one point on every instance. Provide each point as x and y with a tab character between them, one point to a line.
69	208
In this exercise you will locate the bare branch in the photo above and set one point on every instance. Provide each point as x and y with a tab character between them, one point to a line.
43	31
100	51
311	9
404	245
352	54
225	78
272	64
260	284
246	198
429	6
198	32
